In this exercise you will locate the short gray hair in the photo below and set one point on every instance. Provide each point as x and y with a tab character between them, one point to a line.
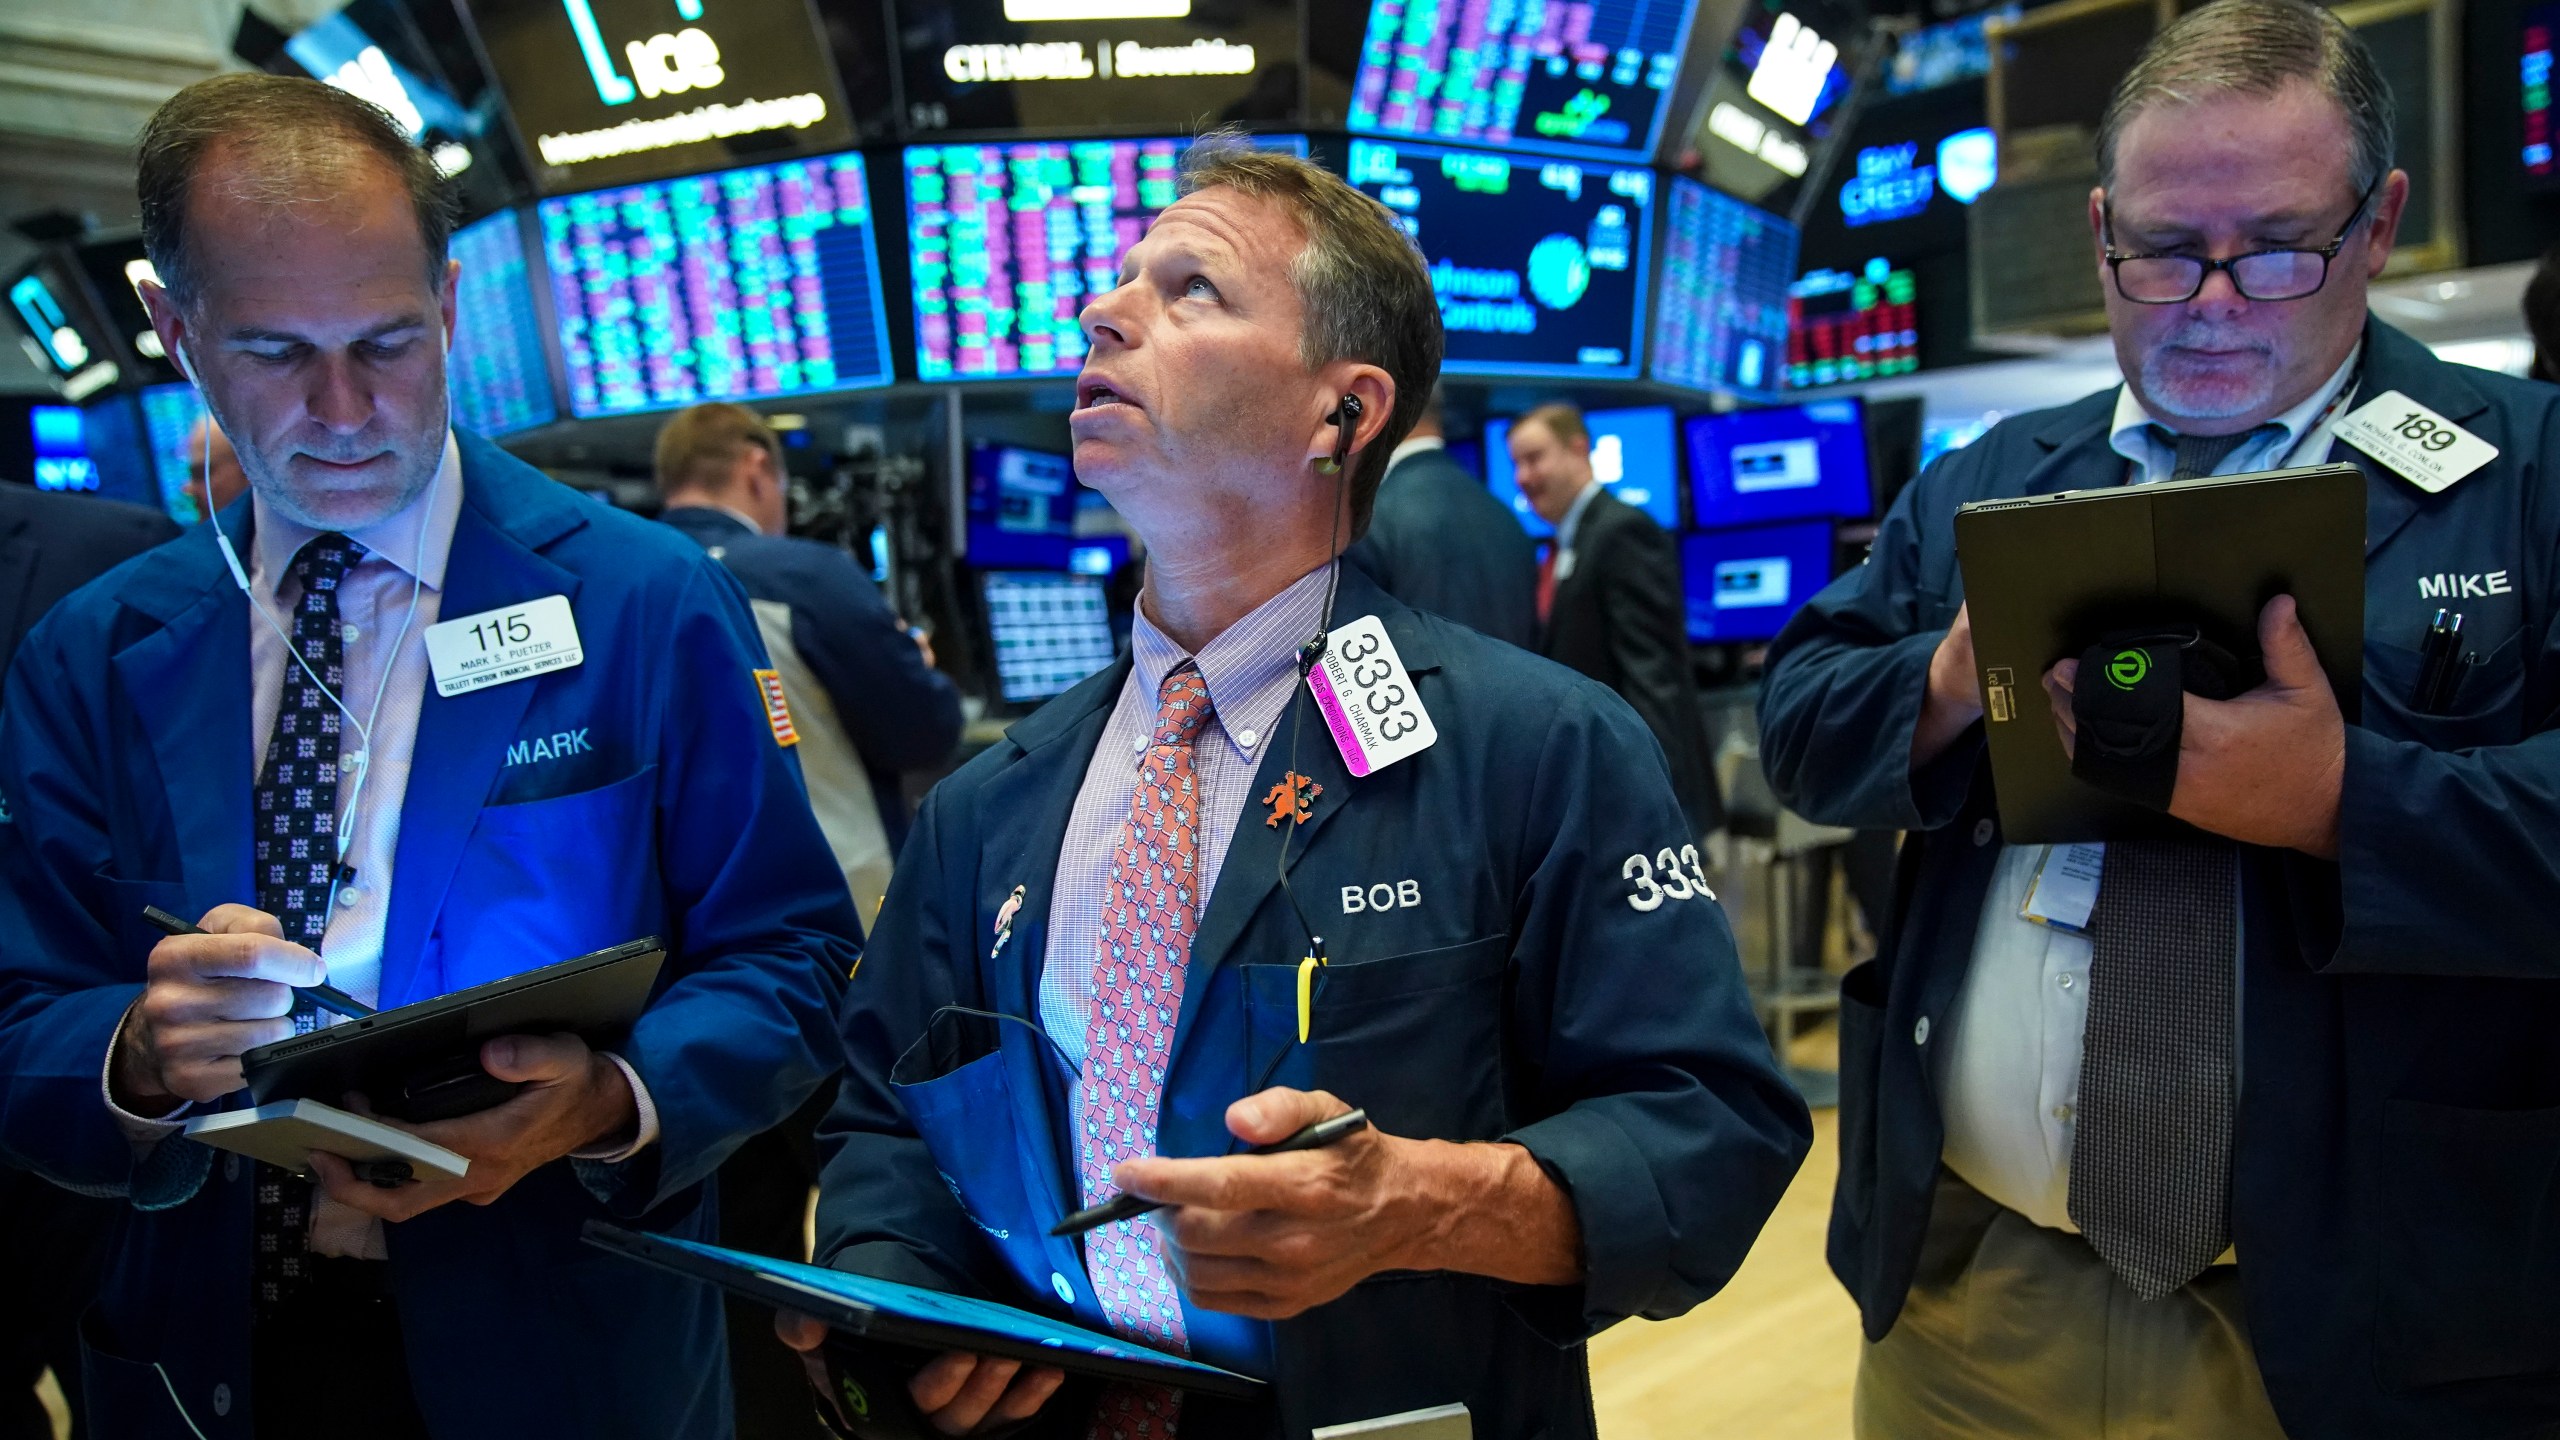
1363	285
2257	47
299	137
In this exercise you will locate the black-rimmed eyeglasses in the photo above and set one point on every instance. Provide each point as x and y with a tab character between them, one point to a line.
2258	275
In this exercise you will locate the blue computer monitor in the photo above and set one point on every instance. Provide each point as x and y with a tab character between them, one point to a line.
1008	241
1793	462
61	441
1049	630
1632	452
1742	585
1573	79
500	379
1720	317
742	285
1539	265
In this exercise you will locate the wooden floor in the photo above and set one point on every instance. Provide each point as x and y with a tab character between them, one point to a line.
1771	1358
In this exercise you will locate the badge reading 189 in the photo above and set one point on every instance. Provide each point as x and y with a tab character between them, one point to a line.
1368	700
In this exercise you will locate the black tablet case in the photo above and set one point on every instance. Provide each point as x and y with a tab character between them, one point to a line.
422	1062
2047	576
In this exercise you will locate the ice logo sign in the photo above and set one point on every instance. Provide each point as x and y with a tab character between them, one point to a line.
669	63
1794	66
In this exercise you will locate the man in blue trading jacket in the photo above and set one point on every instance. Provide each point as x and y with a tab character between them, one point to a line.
344	802
2269	1149
857	680
1528	987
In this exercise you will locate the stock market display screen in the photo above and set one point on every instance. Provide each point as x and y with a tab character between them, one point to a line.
499	379
1008	242
1575	77
1721	320
1538	264
737	285
1843	327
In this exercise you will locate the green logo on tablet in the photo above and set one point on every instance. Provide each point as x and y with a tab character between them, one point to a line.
2128	668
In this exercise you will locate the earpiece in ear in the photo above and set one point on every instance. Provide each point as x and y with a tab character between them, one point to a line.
1347	416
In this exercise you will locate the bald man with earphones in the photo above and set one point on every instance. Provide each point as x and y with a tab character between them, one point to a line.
279	725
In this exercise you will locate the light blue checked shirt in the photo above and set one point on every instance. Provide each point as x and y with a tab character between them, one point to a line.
1252	669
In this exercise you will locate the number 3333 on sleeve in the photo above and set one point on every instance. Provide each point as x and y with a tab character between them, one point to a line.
1664	875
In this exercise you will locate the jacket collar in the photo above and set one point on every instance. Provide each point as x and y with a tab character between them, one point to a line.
2074	436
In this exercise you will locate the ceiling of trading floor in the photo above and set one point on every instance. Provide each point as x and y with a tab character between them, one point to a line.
77	80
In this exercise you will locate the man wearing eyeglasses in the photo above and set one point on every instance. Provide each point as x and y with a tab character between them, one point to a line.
2267	1146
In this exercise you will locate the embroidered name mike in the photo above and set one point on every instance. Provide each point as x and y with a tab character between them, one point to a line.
549	747
2463	587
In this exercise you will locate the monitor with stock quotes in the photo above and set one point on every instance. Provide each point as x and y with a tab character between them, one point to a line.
1008	242
741	285
1571	77
500	380
1720	320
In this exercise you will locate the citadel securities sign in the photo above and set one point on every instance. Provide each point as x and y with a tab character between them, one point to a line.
1069	60
606	91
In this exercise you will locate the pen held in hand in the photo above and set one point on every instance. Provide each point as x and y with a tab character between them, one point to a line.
329	998
1129	1207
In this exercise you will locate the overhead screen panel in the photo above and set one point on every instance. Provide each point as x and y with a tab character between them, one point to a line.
1095	67
500	381
1720	322
609	91
1538	264
1008	242
743	285
1573	77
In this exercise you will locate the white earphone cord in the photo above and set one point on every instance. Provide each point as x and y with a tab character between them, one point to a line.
240	577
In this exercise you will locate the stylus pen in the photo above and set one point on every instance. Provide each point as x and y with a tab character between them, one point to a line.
1129	1207
329	998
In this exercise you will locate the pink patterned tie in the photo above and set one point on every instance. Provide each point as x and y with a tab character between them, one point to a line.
1150	911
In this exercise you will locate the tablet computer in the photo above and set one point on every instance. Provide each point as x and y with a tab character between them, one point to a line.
927	1321
422	1062
2048	576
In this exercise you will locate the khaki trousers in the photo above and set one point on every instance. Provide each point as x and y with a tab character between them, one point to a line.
2016	1332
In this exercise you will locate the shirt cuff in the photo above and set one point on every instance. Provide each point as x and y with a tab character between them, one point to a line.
647	1134
142	1132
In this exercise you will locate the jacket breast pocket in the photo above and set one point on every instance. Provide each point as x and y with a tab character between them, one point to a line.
2470	1268
549	880
2486	707
1414	1039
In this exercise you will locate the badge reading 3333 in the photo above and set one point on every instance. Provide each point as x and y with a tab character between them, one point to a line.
1666	874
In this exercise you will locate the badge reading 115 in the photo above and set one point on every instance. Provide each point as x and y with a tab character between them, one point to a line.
512	642
1368	700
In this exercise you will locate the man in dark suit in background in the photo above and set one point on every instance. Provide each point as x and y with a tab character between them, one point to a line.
50	545
1609	597
1439	541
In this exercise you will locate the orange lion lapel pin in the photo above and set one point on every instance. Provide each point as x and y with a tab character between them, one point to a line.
1294	798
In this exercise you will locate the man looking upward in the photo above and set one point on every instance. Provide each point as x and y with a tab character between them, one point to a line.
1526	985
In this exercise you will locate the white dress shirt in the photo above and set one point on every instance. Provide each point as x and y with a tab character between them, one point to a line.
385	673
2008	1076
